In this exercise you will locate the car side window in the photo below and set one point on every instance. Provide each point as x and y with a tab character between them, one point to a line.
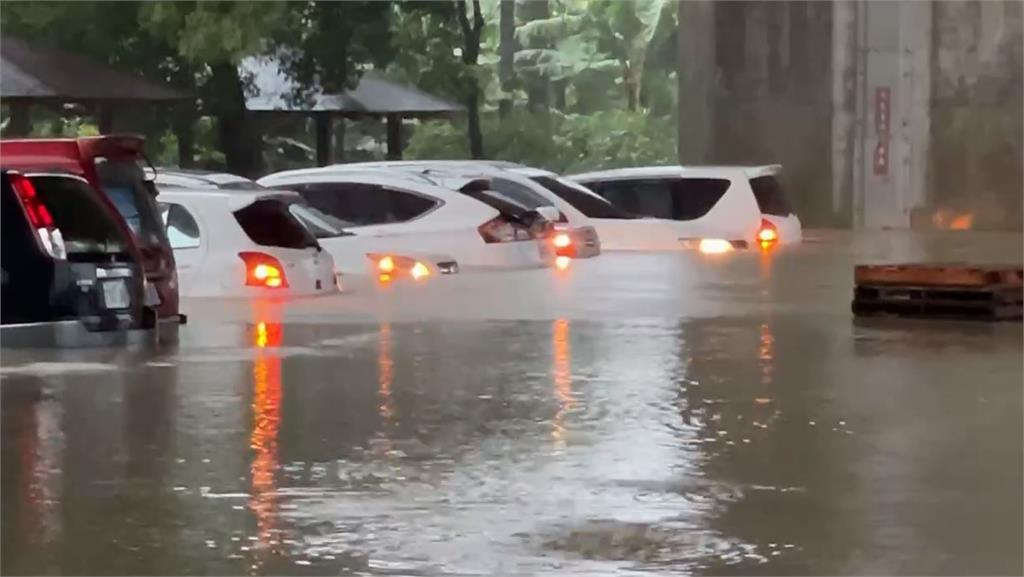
364	204
695	197
182	228
651	197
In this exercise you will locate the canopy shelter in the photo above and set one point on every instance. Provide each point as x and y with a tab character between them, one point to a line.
374	96
32	74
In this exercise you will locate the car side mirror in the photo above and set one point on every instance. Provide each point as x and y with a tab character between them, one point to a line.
549	212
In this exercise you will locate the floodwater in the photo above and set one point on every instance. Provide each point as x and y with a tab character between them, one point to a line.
634	414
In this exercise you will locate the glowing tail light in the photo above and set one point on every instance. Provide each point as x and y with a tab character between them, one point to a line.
714	246
263	270
562	240
419	270
39	216
768	234
386	265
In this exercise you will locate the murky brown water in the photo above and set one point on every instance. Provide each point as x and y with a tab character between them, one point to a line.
637	414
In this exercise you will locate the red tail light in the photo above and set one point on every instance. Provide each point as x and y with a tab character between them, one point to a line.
768	233
263	270
499	229
38	215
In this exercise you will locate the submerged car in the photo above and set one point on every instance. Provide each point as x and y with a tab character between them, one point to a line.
718	207
112	165
244	243
354	252
398	212
571	237
71	274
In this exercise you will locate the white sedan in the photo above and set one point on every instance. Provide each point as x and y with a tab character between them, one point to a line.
401	213
715	208
243	243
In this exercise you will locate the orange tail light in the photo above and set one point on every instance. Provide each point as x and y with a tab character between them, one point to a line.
263	270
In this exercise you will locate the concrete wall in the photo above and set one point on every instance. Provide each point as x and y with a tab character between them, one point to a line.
774	101
798	83
977	104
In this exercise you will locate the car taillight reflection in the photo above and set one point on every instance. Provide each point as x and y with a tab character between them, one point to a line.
562	262
263	270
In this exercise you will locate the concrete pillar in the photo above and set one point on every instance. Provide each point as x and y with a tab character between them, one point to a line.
913	134
844	106
697	72
323	138
394	137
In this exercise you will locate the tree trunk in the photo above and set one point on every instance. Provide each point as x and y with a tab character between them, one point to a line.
560	87
538	89
696	74
184	131
507	54
20	123
476	138
235	127
394	128
322	121
470	52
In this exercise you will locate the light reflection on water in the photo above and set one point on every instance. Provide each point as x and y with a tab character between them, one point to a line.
660	437
266	423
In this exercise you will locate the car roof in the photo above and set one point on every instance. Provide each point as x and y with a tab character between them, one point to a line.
370	175
451	162
721	171
235	199
191	178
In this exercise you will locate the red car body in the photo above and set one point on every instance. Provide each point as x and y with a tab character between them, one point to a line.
79	156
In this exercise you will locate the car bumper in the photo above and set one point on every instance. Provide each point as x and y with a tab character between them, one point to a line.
74	334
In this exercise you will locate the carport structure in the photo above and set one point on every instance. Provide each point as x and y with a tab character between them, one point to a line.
31	75
375	96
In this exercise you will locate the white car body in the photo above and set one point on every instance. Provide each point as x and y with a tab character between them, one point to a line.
449	227
734	216
617	230
207	248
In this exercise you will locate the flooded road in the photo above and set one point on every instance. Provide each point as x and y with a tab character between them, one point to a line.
635	414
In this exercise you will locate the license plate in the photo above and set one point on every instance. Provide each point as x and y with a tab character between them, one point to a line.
115	294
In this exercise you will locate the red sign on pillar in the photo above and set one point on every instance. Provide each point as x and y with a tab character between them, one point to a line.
882	123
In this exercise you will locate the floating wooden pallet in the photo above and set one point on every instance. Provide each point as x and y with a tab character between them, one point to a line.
940	291
954	274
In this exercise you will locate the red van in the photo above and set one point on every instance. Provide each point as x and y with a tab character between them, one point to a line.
113	164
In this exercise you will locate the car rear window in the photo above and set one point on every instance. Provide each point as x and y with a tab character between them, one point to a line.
671	198
85	223
590	204
771	198
268	222
365	204
123	181
519	193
